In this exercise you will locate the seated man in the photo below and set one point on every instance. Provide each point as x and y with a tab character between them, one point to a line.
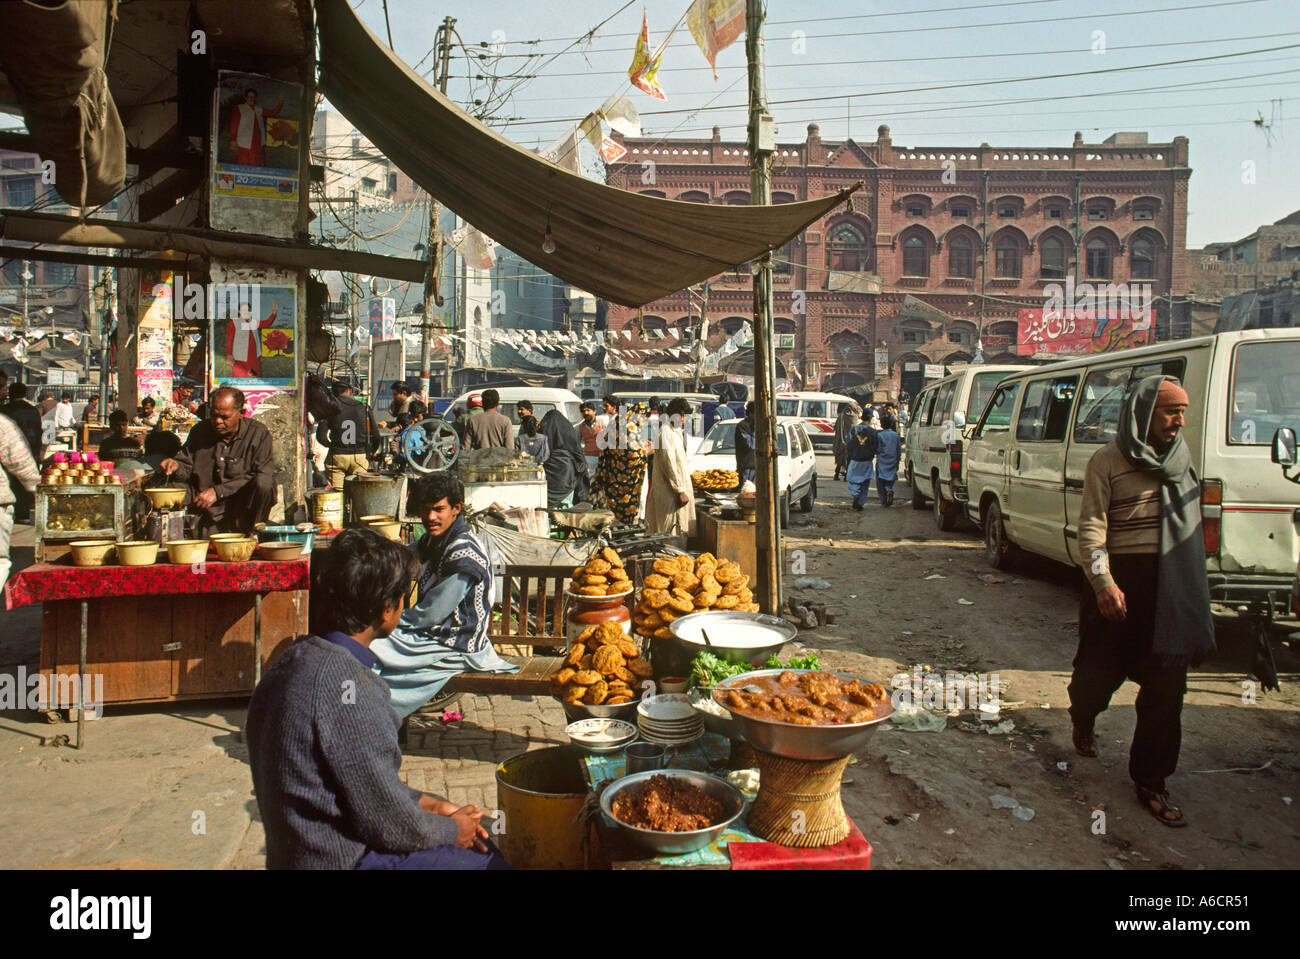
226	461
322	738
447	631
118	445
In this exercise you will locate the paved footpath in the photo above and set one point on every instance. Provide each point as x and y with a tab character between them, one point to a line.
168	785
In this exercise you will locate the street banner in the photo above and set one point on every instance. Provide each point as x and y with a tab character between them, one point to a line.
611	151
153	349
563	152
383	318
644	71
882	362
590	128
934	371
478	250
155	383
255	136
715	25
1072	332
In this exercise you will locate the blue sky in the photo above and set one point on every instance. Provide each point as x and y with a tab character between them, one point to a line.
839	51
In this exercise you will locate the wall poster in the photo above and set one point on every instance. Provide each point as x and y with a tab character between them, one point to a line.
255	136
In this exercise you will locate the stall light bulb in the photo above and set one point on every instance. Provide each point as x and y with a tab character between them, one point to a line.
548	242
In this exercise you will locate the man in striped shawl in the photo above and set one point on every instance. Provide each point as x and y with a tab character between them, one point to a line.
446	631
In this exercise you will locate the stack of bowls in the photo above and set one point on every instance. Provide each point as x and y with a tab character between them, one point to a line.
668	720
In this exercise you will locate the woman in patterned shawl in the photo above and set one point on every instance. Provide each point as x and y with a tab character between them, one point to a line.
620	473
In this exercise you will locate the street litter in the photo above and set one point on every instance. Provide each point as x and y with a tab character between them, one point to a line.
964	602
1023	812
811	582
936	576
949	832
990	578
1005	726
1004	802
914	816
1063	767
908	632
914	719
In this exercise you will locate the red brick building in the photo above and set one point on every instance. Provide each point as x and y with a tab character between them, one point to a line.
941	248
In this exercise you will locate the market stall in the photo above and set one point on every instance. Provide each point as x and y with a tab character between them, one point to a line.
692	743
167	631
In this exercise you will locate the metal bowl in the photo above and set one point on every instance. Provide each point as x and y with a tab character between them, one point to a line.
793	740
674	656
624	711
580	737
676	843
720	725
161	497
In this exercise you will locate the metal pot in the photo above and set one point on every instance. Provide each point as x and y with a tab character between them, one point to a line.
673	657
793	740
676	843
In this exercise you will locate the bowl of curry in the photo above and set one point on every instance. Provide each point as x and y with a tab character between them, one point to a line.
672	811
804	713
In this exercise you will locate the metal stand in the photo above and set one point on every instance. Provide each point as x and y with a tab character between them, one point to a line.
81	674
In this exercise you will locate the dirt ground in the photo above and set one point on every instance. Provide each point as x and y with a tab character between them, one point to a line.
923	798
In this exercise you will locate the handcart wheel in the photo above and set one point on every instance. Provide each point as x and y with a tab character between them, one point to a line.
430	445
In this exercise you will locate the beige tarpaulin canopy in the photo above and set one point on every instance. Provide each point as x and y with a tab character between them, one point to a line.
624	247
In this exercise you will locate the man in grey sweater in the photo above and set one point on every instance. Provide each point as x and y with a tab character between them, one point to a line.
322	737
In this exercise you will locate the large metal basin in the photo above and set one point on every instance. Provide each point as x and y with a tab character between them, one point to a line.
794	740
673	657
676	843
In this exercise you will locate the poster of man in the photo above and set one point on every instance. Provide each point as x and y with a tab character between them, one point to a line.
255	341
256	136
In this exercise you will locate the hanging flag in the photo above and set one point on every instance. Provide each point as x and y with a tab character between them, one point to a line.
563	152
478	249
715	25
621	114
611	151
644	71
590	128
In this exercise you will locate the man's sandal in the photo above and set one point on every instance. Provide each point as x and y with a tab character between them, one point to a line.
1085	742
1158	804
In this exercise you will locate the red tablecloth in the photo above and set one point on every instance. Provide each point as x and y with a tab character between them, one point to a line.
853	852
44	582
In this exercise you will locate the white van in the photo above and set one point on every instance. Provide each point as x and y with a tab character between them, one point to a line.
544	399
944	413
694	429
817	411
1027	454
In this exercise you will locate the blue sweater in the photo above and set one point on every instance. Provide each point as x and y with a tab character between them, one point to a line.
322	742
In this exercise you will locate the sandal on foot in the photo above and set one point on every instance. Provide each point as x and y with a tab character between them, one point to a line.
1158	804
1085	742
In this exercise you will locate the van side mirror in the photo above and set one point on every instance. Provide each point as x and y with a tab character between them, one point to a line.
958	419
1284	447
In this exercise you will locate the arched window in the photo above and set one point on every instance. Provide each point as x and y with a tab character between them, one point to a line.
961	258
1007	257
1097	263
916	257
1142	259
1051	258
847	249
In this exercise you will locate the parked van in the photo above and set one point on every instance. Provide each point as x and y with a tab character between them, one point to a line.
943	416
817	411
1026	456
694	429
544	399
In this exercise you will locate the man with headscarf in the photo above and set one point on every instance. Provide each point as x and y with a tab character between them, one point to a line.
864	443
888	447
566	467
1146	615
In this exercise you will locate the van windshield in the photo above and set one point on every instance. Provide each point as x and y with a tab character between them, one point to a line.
787	407
1265	391
980	391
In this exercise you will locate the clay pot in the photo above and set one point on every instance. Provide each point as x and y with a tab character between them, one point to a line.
593	611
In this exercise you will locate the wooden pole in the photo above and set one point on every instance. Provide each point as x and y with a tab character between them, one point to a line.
768	530
442	43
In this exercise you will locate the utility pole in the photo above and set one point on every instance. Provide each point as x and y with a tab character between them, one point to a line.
433	243
761	145
106	318
27	275
700	330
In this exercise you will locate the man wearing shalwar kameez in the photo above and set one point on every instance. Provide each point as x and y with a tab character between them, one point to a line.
446	631
863	445
671	505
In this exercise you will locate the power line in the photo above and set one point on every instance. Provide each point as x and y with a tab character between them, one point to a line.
1093	17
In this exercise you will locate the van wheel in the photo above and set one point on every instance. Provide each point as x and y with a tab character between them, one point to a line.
806	504
918	501
945	512
998	550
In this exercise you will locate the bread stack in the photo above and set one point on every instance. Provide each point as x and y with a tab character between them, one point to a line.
680	586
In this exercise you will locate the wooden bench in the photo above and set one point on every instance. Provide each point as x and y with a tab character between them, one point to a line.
532	607
533	678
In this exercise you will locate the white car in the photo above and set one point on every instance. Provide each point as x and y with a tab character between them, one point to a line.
796	464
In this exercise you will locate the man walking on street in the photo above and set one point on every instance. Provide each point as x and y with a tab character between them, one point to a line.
589	432
489	429
844	424
16	460
1146	613
864	443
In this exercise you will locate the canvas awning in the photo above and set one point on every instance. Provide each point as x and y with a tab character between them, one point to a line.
627	248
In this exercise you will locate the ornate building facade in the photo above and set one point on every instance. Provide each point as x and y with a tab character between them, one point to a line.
938	252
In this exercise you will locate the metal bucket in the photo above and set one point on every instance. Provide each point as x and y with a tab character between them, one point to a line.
327	509
540	793
367	494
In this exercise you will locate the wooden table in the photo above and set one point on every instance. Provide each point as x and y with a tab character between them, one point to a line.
163	633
